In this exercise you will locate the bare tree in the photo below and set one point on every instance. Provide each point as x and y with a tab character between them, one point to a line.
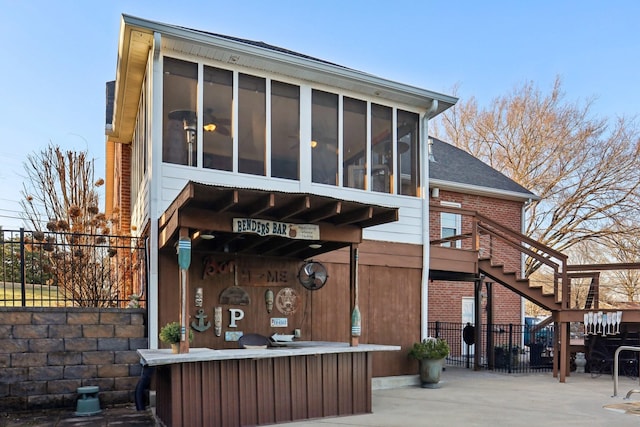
61	203
584	169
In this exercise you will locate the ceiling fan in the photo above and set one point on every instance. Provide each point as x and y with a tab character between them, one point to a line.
312	275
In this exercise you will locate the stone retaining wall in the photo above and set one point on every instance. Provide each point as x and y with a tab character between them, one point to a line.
47	353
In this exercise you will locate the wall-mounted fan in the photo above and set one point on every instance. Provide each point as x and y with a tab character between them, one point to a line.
312	275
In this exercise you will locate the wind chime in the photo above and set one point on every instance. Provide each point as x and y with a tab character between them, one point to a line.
602	323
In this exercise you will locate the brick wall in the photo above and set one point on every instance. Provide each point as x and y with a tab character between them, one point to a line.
445	298
47	353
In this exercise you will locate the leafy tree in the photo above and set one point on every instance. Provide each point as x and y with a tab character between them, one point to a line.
584	169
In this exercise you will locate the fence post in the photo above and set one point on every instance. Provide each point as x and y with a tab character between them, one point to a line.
437	329
23	276
510	347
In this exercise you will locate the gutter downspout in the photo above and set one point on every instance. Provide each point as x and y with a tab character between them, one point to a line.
424	155
154	188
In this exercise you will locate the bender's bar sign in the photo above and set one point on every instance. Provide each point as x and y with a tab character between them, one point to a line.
274	228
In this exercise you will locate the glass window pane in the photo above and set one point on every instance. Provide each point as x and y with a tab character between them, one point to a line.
324	137
251	124
354	143
381	154
218	100
408	159
285	130
179	112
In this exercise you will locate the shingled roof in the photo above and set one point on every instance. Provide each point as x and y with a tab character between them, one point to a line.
451	165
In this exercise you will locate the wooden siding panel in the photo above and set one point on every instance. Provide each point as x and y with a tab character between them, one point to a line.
329	385
282	388
211	414
314	386
248	392
265	389
299	409
229	402
345	383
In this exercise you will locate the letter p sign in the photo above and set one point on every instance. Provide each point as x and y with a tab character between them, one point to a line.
236	314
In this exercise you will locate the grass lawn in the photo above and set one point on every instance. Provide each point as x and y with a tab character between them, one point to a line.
35	295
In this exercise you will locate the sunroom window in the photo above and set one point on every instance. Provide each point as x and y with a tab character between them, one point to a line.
252	119
179	110
324	137
217	140
285	130
354	113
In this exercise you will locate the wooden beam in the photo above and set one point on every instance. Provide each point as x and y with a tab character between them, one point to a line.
183	197
294	208
228	201
266	203
355	216
166	233
326	212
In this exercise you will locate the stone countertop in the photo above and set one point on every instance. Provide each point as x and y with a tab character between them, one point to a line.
297	348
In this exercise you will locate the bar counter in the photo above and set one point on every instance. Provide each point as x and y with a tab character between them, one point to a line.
248	387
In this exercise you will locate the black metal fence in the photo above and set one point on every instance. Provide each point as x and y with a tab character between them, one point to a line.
52	269
510	348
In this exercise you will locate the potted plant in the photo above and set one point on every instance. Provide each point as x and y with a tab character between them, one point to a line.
430	354
170	334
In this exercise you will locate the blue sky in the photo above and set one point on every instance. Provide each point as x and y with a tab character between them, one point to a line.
57	56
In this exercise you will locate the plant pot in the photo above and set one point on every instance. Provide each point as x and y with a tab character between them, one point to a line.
175	348
430	370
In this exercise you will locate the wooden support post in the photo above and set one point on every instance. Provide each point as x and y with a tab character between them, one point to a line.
564	351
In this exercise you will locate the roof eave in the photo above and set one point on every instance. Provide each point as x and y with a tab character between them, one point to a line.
482	191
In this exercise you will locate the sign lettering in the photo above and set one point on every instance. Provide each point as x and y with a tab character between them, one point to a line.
273	228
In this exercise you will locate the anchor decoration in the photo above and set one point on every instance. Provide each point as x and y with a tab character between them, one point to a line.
200	326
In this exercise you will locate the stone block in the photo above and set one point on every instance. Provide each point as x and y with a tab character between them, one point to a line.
45	373
115	318
137	318
28	388
4	389
48	318
30	331
19	360
5	330
64	358
105	384
113	344
13	403
65	331
80	344
97	357
116	397
80	372
49	401
135	370
83	318
136	343
14	345
5	360
129	357
63	386
126	383
98	331
129	331
46	345
106	371
13	375
15	318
